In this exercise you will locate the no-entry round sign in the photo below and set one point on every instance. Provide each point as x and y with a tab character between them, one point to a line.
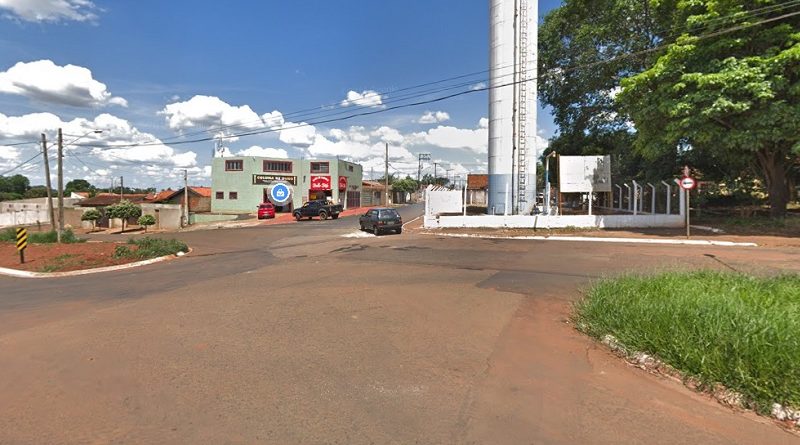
688	183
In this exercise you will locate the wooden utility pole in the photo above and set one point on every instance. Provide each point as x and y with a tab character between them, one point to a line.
186	194
60	186
50	210
386	173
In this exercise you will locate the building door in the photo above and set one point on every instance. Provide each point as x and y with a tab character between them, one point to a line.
353	199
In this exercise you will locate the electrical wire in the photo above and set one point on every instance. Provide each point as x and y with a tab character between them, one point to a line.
18	166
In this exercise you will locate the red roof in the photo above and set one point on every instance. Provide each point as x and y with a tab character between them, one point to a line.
205	192
477	182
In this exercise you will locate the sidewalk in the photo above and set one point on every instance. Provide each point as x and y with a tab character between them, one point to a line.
280	218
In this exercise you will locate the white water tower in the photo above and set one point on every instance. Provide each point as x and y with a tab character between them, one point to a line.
513	52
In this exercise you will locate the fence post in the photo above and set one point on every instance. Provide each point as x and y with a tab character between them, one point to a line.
653	199
620	197
635	198
669	196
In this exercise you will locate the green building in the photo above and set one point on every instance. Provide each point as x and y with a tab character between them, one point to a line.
240	184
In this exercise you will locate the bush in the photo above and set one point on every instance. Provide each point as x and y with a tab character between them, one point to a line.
722	328
147	220
147	248
124	210
91	215
67	236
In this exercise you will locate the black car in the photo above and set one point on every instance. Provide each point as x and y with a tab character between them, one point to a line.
381	220
317	208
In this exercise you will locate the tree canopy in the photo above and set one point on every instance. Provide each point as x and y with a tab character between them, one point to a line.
660	83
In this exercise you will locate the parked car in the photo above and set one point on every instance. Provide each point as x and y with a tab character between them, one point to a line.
381	220
317	208
266	210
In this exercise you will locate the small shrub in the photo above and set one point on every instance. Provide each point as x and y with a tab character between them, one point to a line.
147	248
147	220
8	235
67	236
91	215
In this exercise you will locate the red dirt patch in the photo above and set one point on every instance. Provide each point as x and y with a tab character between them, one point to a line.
61	257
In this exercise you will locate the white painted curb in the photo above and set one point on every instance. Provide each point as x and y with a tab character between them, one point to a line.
602	240
27	274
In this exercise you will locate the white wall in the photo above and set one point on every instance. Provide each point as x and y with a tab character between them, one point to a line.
438	202
554	221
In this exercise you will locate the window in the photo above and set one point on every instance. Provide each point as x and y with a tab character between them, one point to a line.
234	166
220	195
319	167
349	168
278	166
233	195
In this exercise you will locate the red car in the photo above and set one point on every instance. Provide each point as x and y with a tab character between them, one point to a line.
266	210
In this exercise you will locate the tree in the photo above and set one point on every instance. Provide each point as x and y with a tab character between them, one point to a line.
407	185
78	185
17	184
576	41
147	220
734	96
124	210
91	215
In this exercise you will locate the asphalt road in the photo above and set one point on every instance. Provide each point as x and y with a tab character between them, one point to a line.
296	334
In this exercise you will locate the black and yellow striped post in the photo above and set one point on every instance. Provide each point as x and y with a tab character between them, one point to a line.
22	243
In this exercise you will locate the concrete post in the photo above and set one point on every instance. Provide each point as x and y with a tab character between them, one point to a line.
682	200
620	197
669	196
630	209
652	199
635	198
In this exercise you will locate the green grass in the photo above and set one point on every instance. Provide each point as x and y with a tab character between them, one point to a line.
67	236
722	328
60	262
147	248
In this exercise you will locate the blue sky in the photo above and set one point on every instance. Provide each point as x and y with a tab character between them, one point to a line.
157	72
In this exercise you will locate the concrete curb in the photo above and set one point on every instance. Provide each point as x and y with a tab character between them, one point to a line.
28	274
603	240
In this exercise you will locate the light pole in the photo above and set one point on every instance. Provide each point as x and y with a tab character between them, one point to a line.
61	146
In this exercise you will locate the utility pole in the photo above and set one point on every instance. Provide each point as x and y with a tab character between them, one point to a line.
386	173
422	157
186	194
435	175
60	186
121	188
50	210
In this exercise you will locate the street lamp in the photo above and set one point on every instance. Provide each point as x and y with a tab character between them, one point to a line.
61	146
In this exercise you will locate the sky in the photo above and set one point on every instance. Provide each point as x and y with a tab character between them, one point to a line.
156	76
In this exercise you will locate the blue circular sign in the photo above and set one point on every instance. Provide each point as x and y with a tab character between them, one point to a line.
280	193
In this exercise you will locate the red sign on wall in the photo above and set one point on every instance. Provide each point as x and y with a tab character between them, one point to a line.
342	183
320	183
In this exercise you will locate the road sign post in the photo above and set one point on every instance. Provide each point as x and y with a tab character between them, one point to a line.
22	243
687	183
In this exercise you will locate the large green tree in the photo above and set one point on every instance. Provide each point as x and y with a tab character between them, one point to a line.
729	96
576	42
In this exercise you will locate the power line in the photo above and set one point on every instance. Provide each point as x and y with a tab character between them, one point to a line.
21	165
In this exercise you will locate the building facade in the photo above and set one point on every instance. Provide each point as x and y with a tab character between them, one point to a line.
240	184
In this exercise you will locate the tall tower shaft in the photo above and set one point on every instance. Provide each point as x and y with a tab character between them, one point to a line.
512	105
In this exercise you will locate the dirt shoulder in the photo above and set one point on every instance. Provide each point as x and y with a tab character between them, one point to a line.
61	257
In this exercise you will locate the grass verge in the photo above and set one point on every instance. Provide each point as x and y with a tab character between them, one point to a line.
721	328
67	236
147	248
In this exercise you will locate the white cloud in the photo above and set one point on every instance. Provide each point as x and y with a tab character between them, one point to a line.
264	152
45	81
478	86
433	117
115	131
298	135
367	98
9	153
210	111
49	10
483	123
388	135
451	137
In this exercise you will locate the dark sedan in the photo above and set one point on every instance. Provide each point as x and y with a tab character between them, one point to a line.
381	220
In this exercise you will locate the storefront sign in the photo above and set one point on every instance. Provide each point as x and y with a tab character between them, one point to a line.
320	183
342	183
269	179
